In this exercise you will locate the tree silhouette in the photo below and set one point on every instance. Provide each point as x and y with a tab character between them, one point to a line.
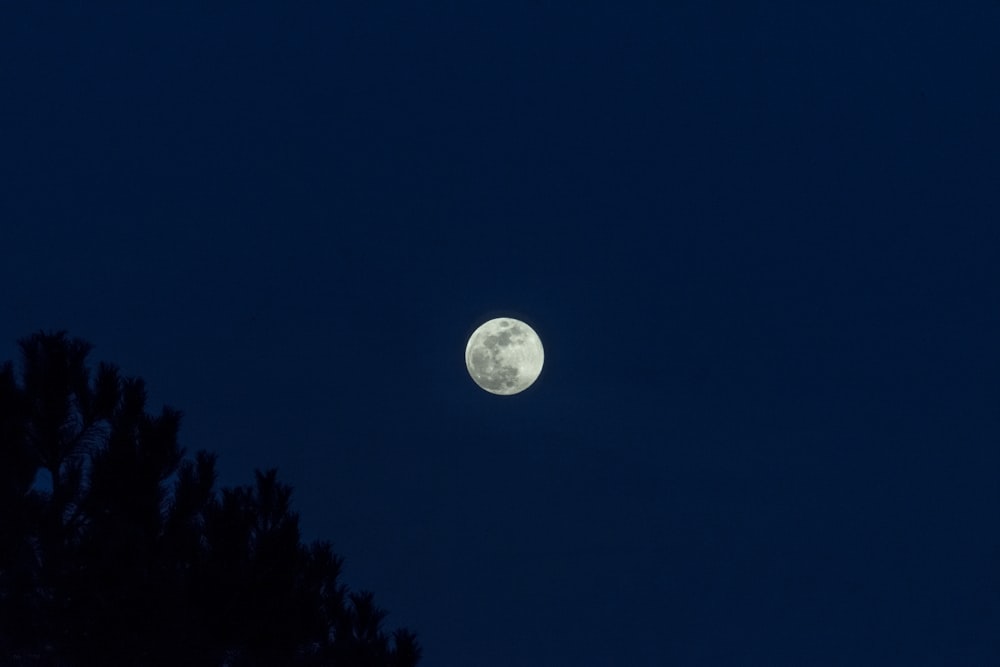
134	558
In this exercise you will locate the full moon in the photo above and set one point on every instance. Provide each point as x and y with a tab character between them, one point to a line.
504	356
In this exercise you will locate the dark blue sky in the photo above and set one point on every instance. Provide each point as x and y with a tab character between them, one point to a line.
760	244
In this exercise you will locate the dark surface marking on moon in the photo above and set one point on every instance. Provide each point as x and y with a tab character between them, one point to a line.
489	373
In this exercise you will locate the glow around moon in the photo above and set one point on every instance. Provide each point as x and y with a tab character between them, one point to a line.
504	356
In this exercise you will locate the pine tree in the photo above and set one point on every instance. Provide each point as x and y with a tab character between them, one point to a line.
132	557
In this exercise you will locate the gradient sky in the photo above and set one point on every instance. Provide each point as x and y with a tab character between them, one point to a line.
761	246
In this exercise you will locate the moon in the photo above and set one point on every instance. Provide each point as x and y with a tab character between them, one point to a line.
504	356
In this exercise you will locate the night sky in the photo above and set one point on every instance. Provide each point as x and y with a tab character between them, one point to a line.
760	243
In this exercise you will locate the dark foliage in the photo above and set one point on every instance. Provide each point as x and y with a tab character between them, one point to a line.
134	558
